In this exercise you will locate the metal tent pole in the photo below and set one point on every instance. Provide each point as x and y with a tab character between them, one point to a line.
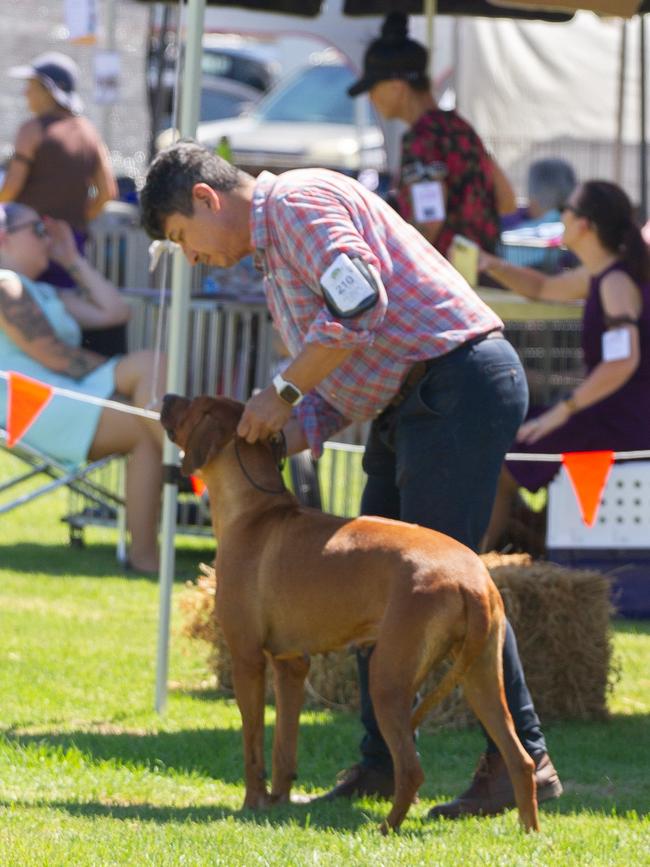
177	360
643	156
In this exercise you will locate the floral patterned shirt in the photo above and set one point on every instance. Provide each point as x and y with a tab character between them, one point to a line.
441	144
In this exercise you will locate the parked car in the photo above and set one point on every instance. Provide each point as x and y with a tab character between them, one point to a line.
236	73
306	120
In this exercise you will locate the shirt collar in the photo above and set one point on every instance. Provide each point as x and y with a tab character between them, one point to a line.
259	227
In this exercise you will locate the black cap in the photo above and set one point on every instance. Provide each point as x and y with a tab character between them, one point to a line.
393	55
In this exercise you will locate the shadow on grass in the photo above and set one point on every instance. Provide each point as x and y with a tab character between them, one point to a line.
94	561
634	626
601	764
210	753
346	816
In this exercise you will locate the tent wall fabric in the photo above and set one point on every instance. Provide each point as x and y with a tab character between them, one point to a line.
556	83
550	80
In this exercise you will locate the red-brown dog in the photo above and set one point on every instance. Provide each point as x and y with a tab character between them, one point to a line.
292	582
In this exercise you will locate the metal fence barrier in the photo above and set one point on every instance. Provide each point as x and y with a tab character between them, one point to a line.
230	342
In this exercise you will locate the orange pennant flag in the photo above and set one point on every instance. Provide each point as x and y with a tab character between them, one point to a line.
588	473
26	398
198	486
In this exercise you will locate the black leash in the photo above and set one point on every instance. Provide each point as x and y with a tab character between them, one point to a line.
278	443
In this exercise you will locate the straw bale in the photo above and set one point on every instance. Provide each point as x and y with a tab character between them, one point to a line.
561	618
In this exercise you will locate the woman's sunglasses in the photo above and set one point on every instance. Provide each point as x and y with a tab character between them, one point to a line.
573	209
37	227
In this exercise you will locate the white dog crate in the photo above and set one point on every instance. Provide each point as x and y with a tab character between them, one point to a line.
619	541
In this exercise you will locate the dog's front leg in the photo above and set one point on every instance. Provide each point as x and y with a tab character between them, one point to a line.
290	677
248	680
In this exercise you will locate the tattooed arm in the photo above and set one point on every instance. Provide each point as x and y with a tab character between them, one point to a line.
27	326
97	303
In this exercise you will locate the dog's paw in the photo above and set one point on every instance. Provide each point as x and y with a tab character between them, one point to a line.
256	801
282	798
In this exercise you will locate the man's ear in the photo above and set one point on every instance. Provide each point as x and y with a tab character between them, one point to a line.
203	445
204	196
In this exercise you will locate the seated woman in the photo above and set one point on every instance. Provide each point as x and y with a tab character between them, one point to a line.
610	408
40	334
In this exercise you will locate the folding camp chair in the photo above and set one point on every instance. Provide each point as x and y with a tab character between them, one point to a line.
95	489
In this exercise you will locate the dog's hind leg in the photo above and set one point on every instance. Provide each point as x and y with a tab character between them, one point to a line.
289	675
392	691
483	686
248	680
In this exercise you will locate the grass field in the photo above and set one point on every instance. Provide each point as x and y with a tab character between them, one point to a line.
91	775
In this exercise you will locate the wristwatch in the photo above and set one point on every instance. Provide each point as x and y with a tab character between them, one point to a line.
287	391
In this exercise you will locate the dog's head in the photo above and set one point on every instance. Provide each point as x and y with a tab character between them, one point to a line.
201	427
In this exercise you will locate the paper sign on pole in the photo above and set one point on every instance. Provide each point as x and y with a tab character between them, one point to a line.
81	21
107	77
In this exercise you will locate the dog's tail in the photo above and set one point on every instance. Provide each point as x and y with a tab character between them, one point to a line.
477	631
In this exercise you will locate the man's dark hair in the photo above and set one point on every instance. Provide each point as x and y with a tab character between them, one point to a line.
171	177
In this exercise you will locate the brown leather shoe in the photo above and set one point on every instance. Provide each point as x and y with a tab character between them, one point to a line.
491	793
360	781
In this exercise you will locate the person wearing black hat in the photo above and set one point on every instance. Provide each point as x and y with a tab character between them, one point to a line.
59	158
455	182
448	183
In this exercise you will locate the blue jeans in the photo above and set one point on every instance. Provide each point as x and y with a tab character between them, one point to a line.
435	460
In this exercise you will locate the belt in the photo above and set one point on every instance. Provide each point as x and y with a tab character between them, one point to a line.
418	370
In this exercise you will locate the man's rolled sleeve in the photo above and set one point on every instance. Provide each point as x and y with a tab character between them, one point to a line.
352	332
319	421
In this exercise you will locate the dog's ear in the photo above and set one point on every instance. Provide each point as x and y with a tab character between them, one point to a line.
203	444
210	435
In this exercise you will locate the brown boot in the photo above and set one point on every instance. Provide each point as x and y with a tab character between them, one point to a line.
360	781
491	792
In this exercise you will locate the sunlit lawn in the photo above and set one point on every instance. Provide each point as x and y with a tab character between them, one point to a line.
91	775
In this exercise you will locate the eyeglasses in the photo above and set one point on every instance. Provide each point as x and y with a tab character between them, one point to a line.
37	226
573	209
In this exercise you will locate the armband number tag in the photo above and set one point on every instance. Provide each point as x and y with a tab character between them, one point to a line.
428	201
348	287
616	344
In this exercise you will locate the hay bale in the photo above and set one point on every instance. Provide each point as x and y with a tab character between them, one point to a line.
561	618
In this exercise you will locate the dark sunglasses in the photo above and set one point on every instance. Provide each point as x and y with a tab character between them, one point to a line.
37	227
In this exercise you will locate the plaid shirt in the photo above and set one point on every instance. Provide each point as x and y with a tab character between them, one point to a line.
300	222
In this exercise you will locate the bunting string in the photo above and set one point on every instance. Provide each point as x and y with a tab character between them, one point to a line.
588	471
98	401
147	413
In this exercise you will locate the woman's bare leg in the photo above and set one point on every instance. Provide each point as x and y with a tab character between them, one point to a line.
135	377
506	492
120	433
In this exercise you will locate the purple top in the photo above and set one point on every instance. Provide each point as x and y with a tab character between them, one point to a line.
620	422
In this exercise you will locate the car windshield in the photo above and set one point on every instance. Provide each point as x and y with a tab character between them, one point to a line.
317	94
216	104
239	67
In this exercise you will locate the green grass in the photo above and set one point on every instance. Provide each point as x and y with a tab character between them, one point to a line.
91	775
